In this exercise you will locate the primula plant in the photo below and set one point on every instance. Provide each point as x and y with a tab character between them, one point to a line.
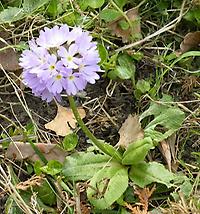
61	60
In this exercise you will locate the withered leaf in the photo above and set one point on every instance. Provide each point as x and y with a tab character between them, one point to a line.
64	116
165	150
130	131
144	196
191	40
24	151
8	57
133	31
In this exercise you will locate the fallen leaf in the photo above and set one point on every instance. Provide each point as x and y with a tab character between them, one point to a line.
165	150
134	31
191	40
130	131
8	57
24	151
64	117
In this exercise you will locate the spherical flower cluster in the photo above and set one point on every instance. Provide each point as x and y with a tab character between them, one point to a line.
60	60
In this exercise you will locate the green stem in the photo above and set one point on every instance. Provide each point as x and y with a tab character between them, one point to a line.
105	148
38	152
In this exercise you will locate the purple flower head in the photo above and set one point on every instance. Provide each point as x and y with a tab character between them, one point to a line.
60	60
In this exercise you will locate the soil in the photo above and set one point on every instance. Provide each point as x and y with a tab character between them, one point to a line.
107	105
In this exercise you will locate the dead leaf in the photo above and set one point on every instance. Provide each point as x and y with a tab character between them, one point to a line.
60	123
21	151
130	131
165	150
8	57
191	40
33	181
134	31
143	195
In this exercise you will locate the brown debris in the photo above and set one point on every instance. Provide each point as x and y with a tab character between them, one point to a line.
24	151
130	131
64	117
191	40
8	57
133	17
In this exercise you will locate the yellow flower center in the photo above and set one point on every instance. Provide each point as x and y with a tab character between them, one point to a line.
58	77
69	58
71	77
52	67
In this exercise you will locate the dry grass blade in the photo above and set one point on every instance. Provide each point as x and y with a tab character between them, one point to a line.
33	181
5	181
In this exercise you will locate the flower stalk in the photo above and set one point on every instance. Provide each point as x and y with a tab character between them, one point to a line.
105	148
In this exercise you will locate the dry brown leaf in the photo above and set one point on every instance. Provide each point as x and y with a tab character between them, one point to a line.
144	195
60	123
166	152
191	40
33	181
8	57
134	18
130	131
21	151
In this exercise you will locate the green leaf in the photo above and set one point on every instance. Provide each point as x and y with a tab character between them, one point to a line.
112	151
95	3
52	9
120	3
70	141
11	14
45	193
186	55
165	115
109	15
171	119
143	86
37	167
108	185
126	68
103	53
53	167
156	109
13	3
143	174
11	207
183	185
82	166
31	5
108	150
124	24
137	151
